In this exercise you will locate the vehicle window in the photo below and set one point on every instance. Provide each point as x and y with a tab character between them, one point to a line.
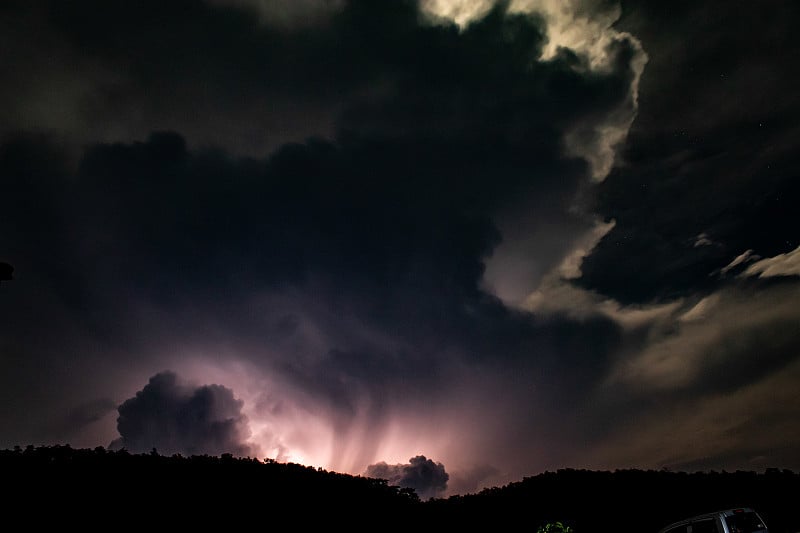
744	523
704	526
677	529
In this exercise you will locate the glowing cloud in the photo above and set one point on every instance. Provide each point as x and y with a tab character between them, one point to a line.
427	478
742	258
787	264
585	27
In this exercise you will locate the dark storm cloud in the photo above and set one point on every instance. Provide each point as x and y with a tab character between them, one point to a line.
153	221
174	418
217	75
390	223
426	477
350	268
88	413
287	14
76	425
711	156
373	240
439	130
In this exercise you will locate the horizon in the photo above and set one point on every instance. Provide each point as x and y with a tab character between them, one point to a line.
30	450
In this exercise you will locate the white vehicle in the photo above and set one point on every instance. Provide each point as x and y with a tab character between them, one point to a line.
742	520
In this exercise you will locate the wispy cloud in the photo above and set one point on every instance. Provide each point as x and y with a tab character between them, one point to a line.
787	264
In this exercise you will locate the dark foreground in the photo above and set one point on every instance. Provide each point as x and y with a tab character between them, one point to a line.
98	489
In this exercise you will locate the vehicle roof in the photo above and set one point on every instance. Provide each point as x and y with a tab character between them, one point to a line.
715	514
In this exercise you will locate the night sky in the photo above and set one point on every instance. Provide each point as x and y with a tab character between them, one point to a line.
451	243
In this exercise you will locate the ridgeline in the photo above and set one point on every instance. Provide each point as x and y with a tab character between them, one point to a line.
92	489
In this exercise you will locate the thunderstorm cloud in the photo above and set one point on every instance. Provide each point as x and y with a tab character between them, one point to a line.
549	233
173	418
426	477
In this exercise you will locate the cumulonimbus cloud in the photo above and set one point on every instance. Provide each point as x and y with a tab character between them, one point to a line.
426	477
175	418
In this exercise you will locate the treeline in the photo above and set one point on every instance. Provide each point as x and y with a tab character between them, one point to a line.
59	485
630	501
66	487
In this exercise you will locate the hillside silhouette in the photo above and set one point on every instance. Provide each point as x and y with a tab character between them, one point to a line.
630	501
62	486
